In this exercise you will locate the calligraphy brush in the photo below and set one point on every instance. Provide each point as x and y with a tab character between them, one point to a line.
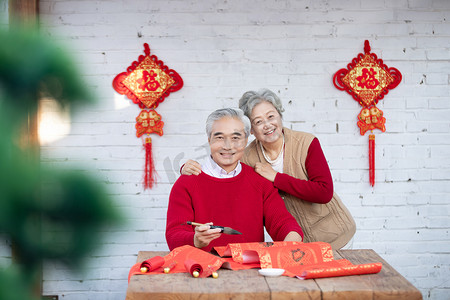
226	230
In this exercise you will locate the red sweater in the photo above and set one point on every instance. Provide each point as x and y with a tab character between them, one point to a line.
246	203
319	186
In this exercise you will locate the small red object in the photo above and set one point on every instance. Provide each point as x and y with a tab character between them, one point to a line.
371	118
170	267
149	121
193	266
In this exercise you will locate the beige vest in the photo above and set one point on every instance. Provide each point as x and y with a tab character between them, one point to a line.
331	222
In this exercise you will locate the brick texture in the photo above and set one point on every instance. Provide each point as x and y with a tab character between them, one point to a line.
224	48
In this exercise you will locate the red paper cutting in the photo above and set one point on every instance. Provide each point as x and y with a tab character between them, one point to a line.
367	79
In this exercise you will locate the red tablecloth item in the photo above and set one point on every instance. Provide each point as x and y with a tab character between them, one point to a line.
177	258
312	259
302	260
330	271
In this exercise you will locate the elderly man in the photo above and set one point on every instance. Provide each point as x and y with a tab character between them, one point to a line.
227	193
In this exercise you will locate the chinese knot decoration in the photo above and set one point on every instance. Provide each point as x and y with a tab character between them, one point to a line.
368	80
147	82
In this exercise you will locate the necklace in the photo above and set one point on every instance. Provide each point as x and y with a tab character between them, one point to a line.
276	160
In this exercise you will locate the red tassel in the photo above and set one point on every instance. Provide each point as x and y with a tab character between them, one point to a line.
372	159
149	166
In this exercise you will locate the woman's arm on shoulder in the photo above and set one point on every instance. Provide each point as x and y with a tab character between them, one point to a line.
319	187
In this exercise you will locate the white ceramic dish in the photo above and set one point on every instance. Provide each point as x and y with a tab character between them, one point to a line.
271	272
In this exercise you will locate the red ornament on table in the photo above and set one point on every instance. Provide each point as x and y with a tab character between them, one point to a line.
367	79
147	82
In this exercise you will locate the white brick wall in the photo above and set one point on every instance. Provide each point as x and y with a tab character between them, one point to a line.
4	18
224	48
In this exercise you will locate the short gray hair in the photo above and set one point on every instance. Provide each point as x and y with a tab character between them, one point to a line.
235	113
251	98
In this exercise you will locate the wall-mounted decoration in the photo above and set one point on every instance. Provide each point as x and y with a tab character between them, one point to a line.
147	82
367	79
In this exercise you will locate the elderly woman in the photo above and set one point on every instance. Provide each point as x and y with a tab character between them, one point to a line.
295	163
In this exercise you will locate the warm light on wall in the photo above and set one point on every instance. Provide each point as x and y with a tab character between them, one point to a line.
120	102
54	121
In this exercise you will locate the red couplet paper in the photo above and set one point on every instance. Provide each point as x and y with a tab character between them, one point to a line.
279	254
153	266
302	260
176	259
153	263
341	271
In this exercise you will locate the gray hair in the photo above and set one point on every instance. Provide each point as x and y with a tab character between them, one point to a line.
250	99
235	113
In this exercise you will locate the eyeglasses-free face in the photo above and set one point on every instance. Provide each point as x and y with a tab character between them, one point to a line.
227	142
267	125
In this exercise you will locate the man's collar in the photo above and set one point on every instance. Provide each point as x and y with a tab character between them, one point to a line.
213	169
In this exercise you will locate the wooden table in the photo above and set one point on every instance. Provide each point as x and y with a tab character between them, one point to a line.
248	284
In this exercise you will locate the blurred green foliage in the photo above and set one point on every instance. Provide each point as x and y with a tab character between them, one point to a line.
47	213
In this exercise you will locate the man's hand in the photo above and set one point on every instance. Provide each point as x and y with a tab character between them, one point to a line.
266	171
191	167
204	235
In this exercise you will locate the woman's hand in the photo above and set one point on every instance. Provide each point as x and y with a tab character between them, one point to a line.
191	167
266	171
204	235
293	236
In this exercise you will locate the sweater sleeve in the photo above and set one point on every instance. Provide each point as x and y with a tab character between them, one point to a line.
277	220
319	187
178	212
